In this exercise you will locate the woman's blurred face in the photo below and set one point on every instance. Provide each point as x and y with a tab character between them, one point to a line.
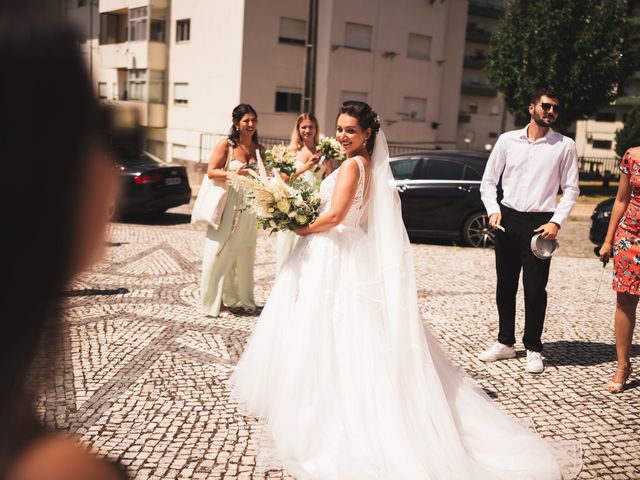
350	135
98	196
248	124
307	130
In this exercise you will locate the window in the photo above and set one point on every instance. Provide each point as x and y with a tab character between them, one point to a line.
138	24
183	30
180	93
137	81
358	36
359	96
473	108
403	169
606	117
156	86
419	47
82	3
102	90
602	144
157	30
493	135
179	152
414	109
113	28
292	31
471	174
441	170
288	100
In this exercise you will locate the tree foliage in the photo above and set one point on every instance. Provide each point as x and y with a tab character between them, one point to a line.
629	135
583	49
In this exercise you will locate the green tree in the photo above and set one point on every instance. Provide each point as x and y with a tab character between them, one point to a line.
583	49
629	135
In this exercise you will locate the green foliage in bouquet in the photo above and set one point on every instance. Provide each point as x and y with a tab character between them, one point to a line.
330	149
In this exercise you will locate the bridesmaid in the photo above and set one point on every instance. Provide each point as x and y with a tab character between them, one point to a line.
229	250
623	239
304	140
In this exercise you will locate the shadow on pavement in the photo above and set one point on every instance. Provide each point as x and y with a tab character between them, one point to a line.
89	292
168	218
566	352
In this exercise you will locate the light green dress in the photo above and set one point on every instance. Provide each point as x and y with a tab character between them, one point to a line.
229	256
286	241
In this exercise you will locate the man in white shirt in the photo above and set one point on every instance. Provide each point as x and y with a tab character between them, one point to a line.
533	162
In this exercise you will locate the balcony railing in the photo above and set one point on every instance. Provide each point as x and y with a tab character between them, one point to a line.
478	36
464	117
479	89
475	63
486	8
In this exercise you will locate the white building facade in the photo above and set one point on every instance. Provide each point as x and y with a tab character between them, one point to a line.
184	64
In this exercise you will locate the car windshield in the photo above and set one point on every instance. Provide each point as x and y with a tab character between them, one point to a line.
130	158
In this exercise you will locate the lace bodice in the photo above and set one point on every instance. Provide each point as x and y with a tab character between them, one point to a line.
326	192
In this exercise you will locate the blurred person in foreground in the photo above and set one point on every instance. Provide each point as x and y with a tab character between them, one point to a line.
60	183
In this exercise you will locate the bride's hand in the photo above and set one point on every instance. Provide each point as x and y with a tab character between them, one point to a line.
302	231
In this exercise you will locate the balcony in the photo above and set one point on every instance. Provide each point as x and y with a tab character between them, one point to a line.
475	63
477	35
482	90
464	117
153	115
114	55
486	8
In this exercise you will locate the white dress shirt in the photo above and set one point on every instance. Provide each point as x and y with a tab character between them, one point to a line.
532	172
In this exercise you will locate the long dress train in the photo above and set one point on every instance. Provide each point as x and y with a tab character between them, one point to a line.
354	388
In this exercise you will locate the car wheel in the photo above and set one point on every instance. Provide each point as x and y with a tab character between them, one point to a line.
476	232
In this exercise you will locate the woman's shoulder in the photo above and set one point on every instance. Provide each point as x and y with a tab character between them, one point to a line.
55	457
633	153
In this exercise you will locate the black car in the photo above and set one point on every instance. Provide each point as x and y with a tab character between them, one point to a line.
600	221
440	193
149	185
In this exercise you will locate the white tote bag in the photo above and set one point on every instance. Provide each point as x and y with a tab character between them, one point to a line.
212	198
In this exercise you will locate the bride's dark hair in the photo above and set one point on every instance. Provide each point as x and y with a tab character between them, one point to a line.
366	116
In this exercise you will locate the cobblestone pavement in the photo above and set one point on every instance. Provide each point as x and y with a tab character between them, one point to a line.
143	373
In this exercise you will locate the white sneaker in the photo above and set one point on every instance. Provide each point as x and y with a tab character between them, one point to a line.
497	351
534	362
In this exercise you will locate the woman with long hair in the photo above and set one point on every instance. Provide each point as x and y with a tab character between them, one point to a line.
623	241
230	249
309	167
52	143
340	369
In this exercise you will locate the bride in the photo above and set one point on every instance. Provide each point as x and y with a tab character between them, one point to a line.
339	366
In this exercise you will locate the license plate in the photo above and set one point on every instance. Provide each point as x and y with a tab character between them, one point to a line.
173	181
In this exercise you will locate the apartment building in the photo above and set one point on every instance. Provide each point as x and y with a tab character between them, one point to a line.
483	114
184	64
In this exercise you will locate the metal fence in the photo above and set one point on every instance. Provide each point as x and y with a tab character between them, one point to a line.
208	141
599	166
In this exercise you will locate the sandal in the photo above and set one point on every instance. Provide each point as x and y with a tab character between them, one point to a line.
617	387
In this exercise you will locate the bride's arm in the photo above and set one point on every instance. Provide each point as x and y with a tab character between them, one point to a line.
341	200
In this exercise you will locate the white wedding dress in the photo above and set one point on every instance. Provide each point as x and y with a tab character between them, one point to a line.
348	383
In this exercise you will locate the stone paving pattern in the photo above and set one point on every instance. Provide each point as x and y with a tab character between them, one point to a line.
143	374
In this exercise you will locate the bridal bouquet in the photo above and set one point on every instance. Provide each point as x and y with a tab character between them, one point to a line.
281	159
278	205
330	149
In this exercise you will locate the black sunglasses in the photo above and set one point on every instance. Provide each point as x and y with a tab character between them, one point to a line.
548	106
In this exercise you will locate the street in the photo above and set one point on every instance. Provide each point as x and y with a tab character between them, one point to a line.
144	372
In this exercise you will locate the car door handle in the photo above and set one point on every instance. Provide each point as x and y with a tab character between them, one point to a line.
464	189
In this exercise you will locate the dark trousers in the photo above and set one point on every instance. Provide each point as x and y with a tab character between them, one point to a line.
513	253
